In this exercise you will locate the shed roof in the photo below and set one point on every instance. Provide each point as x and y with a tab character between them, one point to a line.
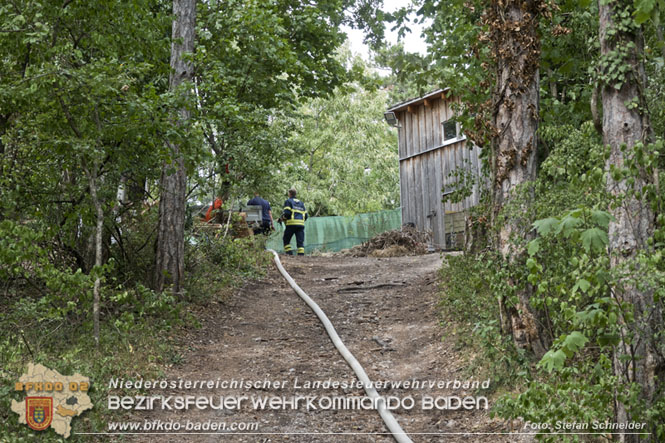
416	101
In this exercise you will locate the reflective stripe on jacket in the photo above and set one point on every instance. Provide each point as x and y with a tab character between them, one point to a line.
294	212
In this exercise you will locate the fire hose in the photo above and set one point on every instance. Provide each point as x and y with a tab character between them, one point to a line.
394	427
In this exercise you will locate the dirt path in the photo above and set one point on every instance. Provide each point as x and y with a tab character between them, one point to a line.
384	309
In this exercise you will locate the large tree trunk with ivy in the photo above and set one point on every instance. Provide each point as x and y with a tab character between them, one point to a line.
170	248
625	124
513	31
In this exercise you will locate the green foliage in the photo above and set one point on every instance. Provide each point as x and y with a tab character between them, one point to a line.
589	226
648	10
139	347
83	94
462	180
47	321
44	318
616	66
569	271
255	63
403	82
576	290
342	155
216	264
564	263
565	94
24	259
574	287
132	241
580	394
469	287
459	57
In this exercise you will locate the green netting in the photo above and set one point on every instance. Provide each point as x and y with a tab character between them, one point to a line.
337	233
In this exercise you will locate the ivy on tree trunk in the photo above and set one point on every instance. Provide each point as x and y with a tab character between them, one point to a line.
625	124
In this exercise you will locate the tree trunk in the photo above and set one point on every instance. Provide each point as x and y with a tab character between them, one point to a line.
170	247
516	47
99	210
595	114
633	222
3	129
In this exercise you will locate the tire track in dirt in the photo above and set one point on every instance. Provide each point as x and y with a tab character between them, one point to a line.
384	309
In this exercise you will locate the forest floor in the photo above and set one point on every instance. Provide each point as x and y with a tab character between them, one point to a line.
385	311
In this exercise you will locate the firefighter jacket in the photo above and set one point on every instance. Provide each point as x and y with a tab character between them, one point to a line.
294	213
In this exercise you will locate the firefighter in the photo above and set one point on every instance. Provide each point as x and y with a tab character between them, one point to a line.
267	224
213	209
294	217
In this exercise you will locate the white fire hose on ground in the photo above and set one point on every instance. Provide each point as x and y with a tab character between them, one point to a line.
394	427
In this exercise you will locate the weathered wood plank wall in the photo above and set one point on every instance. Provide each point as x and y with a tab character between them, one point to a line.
425	164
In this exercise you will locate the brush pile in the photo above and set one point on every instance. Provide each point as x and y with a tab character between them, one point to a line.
407	241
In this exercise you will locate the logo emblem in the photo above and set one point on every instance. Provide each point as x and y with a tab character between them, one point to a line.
39	412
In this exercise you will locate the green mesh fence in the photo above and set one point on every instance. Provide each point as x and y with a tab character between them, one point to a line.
336	233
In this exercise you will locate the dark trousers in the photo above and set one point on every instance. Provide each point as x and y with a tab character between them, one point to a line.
299	232
264	228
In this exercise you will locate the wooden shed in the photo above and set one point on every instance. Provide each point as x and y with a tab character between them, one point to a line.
431	146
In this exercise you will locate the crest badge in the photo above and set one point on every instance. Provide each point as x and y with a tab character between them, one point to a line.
39	412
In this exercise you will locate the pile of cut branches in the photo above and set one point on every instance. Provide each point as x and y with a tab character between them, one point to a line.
407	241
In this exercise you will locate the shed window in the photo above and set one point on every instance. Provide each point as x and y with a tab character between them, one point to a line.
449	130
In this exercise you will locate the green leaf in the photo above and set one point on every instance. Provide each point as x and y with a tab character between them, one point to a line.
602	276
601	218
594	238
582	284
545	225
534	247
553	360
568	224
575	341
644	10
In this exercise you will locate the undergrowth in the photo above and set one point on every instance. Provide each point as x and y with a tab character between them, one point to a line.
45	318
566	267
468	300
